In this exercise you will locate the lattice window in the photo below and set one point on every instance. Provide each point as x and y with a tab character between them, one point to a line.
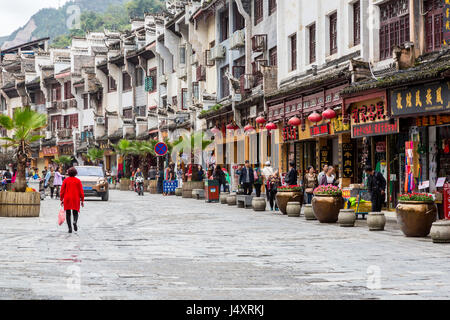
293	43
312	43
273	57
434	28
394	26
356	23
258	11
272	6
333	33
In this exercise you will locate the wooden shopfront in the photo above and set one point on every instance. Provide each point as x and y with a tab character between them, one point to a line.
376	139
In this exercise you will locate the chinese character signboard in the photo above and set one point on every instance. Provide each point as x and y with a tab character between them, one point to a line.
420	99
50	151
437	120
347	160
447	22
324	156
290	133
339	126
320	130
369	118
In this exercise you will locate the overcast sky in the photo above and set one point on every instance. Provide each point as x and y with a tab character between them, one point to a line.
16	13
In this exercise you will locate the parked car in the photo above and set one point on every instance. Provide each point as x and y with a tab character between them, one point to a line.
94	182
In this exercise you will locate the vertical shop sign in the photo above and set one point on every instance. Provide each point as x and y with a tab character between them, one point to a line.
347	159
447	22
324	156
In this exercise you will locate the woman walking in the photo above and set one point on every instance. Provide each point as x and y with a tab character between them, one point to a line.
272	185
258	180
58	181
219	176
71	196
50	181
310	184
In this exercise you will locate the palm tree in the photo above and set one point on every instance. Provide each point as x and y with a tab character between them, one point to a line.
142	149
63	161
95	155
25	123
123	148
187	143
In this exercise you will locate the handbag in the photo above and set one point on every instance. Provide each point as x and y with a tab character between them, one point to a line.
309	190
61	216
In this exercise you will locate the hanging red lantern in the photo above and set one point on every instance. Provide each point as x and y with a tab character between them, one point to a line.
249	127
315	117
295	122
232	126
329	114
260	120
271	126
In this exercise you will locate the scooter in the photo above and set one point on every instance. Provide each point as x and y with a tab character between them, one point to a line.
140	185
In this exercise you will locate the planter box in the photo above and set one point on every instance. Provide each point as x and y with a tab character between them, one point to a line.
416	218
20	204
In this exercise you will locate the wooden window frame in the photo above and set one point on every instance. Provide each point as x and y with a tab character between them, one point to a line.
126	82
183	99
394	26
239	20
258	11
333	33
293	52
434	25
272	6
273	57
153	72
312	43
224	19
357	23
112	84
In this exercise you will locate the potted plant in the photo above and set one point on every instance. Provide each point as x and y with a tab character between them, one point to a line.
124	150
25	126
327	203
416	213
289	194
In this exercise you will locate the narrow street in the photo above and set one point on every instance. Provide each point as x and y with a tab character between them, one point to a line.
154	247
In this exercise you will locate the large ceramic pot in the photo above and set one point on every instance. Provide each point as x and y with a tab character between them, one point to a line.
231	199
440	231
223	197
416	218
326	208
178	192
283	198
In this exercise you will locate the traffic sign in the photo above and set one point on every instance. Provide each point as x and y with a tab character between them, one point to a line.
161	149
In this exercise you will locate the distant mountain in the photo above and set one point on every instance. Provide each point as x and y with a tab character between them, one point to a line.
50	22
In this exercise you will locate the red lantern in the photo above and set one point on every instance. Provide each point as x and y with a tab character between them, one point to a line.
260	120
249	127
232	126
329	114
271	126
295	122
315	117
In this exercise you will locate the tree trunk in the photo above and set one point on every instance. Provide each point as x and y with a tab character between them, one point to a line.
21	184
194	170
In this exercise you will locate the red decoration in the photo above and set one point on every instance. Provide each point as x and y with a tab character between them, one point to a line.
232	126
329	114
260	120
271	126
295	122
249	127
315	117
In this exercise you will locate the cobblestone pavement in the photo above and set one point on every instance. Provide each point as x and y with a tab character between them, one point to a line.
171	248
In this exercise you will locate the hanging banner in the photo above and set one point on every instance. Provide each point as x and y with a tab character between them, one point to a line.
420	99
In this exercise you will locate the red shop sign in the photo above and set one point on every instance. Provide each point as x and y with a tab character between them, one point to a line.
50	151
290	133
375	129
447	201
320	130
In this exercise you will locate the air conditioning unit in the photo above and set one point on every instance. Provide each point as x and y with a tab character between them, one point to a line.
48	135
238	39
259	42
164	79
259	64
247	82
217	53
100	120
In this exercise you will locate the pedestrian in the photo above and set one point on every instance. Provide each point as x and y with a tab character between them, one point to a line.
7	177
272	185
50	180
226	187
267	173
329	177
58	181
258	180
152	173
292	176
247	178
376	184
71	196
322	173
310	184
219	176
200	173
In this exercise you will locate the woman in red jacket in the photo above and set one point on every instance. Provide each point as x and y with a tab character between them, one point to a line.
71	195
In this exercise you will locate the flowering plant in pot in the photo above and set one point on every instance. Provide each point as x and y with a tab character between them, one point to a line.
288	194
327	203
416	213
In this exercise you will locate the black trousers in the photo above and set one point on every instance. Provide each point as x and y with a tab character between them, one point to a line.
52	190
258	190
69	218
377	201
248	189
272	199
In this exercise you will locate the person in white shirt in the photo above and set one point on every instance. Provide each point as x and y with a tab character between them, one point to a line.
267	172
322	173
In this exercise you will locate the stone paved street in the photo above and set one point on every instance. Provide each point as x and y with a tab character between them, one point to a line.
153	247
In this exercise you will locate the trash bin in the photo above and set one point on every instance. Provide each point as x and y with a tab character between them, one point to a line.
212	191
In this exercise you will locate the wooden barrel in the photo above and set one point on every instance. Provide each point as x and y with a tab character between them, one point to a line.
124	184
20	204
188	186
153	186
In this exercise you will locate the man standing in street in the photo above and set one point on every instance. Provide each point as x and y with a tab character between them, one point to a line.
247	178
322	173
376	184
292	175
